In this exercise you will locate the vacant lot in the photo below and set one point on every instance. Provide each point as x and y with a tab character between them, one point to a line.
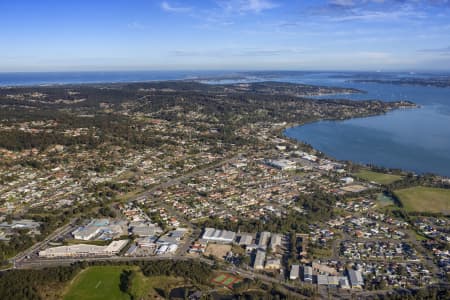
97	283
154	287
379	178
217	250
425	199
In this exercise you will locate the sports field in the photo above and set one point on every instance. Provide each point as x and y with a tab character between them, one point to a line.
97	283
227	280
380	178
425	199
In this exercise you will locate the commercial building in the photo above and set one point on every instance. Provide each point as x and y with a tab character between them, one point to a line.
82	250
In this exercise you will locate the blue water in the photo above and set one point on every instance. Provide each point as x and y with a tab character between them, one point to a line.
48	78
415	139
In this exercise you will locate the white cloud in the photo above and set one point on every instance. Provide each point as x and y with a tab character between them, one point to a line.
135	25
166	6
244	6
342	2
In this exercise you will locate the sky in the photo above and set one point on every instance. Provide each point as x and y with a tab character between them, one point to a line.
82	35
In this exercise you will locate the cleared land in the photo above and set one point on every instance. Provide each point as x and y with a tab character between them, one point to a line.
154	287
97	283
425	199
217	250
380	178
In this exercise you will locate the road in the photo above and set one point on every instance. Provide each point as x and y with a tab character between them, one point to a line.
19	258
43	263
179	179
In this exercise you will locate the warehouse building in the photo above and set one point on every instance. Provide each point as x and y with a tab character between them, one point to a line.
355	278
295	271
218	236
260	257
307	274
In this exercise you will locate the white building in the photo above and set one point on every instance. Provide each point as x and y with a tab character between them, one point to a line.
355	278
282	164
259	260
86	233
245	239
295	271
81	250
218	236
307	274
275	241
347	180
263	239
273	263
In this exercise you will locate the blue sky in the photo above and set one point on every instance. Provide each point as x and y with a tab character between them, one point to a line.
64	35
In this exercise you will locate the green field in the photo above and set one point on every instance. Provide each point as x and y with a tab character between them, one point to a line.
380	178
102	283
425	199
97	283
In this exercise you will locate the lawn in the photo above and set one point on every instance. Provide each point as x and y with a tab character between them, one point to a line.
425	199
97	283
380	178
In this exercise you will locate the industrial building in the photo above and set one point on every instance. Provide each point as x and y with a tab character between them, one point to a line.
245	239
282	164
307	274
101	229
260	257
355	278
295	272
275	241
263	239
273	264
218	236
144	229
